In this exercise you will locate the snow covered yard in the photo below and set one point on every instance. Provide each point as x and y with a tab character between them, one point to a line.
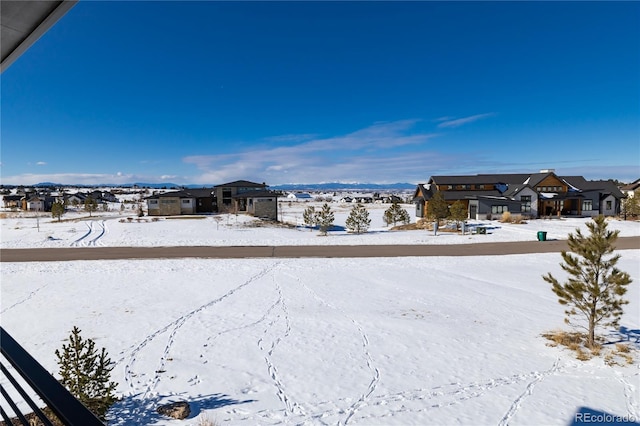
324	341
378	341
20	230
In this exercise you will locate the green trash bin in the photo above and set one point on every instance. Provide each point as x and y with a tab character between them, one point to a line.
542	236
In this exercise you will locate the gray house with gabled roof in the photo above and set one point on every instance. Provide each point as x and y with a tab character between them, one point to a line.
532	195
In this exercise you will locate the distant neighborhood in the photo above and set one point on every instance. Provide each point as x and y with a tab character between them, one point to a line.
484	196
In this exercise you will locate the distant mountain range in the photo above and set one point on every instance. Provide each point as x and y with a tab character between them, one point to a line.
328	186
342	186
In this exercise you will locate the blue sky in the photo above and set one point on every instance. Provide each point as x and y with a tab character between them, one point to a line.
306	92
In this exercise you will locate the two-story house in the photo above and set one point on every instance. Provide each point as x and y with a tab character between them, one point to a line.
487	196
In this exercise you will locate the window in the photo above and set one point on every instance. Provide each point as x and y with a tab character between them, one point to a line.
587	205
499	209
186	201
226	197
153	202
526	203
609	205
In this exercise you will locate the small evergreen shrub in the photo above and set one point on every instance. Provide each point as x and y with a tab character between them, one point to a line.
358	220
395	214
86	373
595	287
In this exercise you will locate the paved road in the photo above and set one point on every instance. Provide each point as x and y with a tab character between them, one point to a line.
236	252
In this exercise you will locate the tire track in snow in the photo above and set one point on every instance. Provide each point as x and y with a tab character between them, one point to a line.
95	231
86	235
101	232
173	327
528	392
372	385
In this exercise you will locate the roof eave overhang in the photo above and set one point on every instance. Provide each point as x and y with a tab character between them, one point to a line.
36	18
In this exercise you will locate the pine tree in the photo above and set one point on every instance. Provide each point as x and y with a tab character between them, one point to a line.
86	373
358	220
395	214
324	219
458	213
595	286
437	207
57	210
309	216
90	205
631	204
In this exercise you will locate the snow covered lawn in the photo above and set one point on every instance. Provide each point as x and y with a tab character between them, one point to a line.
115	229
378	341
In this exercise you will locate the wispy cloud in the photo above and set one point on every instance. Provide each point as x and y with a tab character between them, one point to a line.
41	163
369	150
447	122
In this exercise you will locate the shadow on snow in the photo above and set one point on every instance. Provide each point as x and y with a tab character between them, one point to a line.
132	411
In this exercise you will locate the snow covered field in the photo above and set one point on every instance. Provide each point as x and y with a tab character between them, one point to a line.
113	228
380	341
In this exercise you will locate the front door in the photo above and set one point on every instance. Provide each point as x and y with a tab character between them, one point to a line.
473	211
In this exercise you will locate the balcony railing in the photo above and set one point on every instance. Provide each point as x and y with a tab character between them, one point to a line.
34	378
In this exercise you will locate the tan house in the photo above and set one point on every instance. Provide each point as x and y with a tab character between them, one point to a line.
543	194
171	204
234	197
243	196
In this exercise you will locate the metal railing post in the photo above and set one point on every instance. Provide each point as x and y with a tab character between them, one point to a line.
63	404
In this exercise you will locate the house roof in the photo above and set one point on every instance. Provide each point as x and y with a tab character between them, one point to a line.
486	179
200	192
241	184
190	193
80	195
603	186
300	195
257	194
172	194
632	186
24	22
513	183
